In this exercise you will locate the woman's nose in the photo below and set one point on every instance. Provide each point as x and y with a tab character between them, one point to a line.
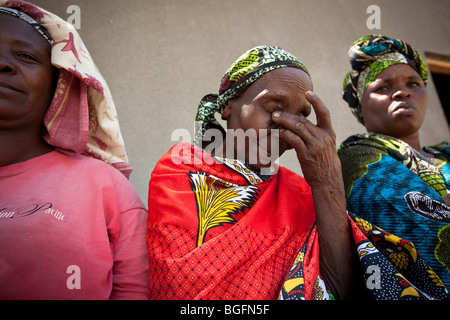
401	92
5	65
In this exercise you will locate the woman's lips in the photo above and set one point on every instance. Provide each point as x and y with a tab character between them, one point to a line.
7	87
404	108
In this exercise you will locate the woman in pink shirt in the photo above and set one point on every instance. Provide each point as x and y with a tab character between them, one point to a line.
71	224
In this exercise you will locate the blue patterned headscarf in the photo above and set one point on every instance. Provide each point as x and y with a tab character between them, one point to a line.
248	68
369	56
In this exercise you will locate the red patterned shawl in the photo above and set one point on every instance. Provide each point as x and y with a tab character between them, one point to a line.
213	234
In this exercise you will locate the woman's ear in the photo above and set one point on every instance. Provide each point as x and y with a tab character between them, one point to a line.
225	110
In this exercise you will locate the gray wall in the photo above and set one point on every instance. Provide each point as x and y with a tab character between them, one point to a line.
160	57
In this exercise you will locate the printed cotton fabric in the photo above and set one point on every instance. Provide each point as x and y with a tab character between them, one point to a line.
392	269
216	230
82	117
405	192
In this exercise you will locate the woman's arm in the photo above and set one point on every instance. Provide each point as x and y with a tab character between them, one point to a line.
315	146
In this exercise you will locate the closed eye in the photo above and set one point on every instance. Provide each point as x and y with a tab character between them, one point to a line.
26	56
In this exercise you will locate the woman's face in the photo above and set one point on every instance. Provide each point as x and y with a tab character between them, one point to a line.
395	102
282	89
26	75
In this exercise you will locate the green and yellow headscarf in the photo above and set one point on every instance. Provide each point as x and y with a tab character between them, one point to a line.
369	56
248	68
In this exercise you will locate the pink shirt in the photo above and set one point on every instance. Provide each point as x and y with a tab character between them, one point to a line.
71	227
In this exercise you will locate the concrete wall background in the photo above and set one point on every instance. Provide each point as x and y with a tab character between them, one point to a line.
160	57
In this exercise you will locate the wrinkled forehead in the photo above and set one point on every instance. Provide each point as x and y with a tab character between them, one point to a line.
285	87
285	79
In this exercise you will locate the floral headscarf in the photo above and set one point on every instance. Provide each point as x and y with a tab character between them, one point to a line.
248	68
82	118
369	56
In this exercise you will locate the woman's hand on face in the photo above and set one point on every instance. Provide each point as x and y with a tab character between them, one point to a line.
315	145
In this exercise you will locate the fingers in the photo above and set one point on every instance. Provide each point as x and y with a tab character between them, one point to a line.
301	126
302	134
296	124
294	140
322	113
315	144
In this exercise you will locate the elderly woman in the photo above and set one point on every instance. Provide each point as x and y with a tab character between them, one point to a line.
390	180
71	224
224	225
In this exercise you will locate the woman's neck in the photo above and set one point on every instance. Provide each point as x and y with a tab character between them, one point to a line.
16	147
414	142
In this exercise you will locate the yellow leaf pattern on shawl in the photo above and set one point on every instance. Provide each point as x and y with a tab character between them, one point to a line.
217	202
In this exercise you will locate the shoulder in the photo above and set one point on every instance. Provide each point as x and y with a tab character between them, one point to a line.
182	153
364	141
88	165
440	150
96	174
363	149
288	179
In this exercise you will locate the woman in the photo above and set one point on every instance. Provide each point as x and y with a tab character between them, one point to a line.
224	225
71	224
390	179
